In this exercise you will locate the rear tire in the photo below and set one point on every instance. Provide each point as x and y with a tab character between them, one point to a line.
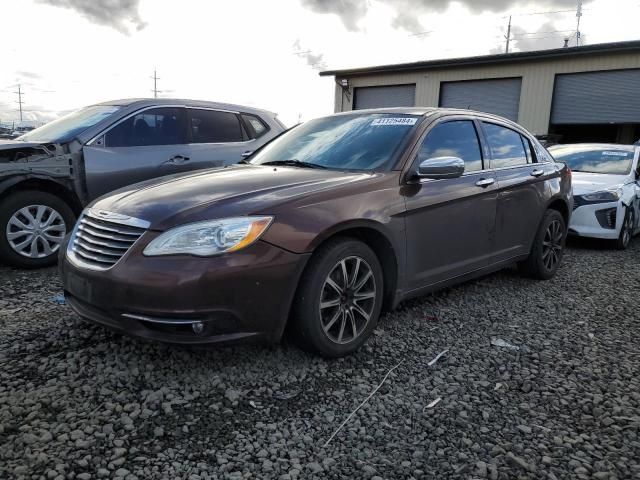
33	225
333	315
626	231
548	247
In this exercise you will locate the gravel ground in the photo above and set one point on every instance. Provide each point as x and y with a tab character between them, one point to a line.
79	402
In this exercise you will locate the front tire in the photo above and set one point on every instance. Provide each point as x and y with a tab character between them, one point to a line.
33	225
626	231
339	300
548	247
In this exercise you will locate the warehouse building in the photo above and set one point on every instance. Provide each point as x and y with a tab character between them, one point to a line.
586	93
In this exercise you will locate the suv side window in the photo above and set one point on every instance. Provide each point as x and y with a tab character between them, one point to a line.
256	126
156	126
507	149
212	126
457	138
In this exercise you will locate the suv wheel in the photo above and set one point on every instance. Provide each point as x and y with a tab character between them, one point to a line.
548	247
626	231
32	227
340	298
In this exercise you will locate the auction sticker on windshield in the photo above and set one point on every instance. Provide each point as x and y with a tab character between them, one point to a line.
395	121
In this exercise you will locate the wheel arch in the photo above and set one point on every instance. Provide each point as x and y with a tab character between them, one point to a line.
374	235
560	205
43	184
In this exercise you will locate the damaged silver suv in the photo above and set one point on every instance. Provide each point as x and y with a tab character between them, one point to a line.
49	174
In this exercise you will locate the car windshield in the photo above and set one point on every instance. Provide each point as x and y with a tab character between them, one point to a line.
615	161
364	142
67	127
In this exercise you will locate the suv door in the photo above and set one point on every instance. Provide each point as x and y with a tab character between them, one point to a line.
450	222
217	138
522	191
147	144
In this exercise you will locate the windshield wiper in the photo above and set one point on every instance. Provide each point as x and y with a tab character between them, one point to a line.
294	163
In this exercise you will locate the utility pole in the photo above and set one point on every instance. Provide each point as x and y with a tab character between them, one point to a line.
508	36
578	15
19	102
155	83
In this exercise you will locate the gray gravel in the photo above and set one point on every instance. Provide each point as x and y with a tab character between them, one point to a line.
79	402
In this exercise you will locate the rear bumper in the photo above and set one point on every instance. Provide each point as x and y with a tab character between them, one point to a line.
244	295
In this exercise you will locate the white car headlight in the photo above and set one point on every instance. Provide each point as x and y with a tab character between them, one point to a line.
605	196
208	238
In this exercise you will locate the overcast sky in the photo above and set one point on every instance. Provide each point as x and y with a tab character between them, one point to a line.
71	53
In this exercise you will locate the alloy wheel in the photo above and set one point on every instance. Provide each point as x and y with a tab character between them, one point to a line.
347	300
552	245
36	231
627	228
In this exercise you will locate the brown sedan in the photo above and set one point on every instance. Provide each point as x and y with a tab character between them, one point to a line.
323	228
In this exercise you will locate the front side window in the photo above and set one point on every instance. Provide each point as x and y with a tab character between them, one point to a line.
156	126
506	146
362	142
594	159
211	126
453	139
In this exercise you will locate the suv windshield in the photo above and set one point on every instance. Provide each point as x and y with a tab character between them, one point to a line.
616	161
67	127
341	142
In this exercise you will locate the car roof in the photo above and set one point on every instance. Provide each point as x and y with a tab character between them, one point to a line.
151	102
596	146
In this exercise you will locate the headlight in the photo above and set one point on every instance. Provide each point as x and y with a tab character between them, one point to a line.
606	196
209	238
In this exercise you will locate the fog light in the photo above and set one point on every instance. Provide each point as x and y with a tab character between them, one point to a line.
198	327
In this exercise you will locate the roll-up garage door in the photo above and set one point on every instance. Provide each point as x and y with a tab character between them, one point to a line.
597	97
499	96
382	97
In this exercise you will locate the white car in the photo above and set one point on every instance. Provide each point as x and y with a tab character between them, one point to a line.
606	190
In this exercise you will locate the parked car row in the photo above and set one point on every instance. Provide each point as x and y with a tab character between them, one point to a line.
49	174
313	231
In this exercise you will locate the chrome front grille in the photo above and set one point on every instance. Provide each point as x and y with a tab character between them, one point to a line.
102	238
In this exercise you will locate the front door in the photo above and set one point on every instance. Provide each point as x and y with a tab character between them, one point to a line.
148	144
450	222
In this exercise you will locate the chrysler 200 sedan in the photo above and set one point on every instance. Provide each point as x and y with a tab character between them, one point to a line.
320	230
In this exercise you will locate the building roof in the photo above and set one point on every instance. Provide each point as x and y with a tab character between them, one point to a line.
599	48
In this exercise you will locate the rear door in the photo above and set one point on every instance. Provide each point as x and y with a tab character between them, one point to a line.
450	222
217	138
522	189
147	144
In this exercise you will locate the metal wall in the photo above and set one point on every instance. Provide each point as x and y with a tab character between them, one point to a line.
538	78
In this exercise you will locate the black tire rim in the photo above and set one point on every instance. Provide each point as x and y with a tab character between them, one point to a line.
347	300
627	227
552	245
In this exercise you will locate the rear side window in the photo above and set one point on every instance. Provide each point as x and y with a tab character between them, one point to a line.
156	126
256	126
210	126
507	147
453	139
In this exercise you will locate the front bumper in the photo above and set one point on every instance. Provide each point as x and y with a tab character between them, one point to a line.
243	295
585	223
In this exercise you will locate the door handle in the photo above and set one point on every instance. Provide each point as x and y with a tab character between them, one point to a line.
537	173
178	159
246	154
485	182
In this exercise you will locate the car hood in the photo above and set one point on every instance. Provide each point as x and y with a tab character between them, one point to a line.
584	182
218	193
11	144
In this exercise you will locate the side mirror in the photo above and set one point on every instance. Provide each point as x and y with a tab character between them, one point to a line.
441	167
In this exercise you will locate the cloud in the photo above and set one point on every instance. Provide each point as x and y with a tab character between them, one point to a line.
118	14
29	75
545	37
407	12
314	60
